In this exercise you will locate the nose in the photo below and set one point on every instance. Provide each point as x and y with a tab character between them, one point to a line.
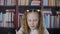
32	22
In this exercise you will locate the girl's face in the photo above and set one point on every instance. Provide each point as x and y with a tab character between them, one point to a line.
32	20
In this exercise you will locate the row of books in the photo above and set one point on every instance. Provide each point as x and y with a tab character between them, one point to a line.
6	20
49	20
7	2
13	2
30	2
51	2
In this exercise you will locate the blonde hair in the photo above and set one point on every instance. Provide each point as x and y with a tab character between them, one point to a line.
40	27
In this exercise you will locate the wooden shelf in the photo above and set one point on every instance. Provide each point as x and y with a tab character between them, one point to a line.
23	8
8	7
51	6
58	7
30	7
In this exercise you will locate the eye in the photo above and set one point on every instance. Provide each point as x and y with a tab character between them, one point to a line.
35	20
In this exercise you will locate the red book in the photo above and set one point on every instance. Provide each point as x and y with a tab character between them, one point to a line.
10	10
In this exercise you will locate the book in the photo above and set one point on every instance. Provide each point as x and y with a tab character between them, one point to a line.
52	22
51	2
55	22
13	2
27	2
1	2
0	19
35	3
23	2
58	2
9	2
47	21
10	10
58	21
54	4
19	2
45	2
47	17
8	20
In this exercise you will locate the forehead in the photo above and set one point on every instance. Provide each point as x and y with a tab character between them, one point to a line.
32	15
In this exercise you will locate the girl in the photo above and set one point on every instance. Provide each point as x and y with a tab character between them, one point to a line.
33	23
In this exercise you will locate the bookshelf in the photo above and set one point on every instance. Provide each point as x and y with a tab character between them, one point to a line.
21	8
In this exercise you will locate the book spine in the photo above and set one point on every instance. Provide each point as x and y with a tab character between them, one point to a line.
27	2
9	3
52	21
55	22
10	10
48	21
23	2
0	19
45	2
49	2
1	2
7	20
30	2
19	2
58	2
13	2
47	18
35	3
59	21
54	2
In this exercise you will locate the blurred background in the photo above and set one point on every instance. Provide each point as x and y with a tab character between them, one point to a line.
11	12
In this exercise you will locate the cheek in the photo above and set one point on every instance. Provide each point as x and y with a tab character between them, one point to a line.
36	23
29	24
